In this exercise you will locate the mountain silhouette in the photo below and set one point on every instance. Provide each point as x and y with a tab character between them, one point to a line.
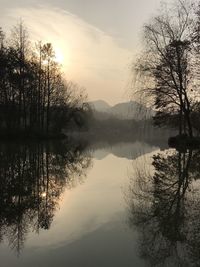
99	105
126	110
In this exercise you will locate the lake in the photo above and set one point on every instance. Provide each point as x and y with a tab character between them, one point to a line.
78	204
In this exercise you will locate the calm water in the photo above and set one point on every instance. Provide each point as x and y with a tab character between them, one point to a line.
129	204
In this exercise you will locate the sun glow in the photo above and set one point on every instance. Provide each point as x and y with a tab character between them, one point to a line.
59	56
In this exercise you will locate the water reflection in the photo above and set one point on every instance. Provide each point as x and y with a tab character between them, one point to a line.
32	180
164	204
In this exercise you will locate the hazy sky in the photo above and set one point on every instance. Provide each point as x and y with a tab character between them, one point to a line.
95	39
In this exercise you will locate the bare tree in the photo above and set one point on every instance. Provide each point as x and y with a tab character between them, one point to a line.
34	97
167	64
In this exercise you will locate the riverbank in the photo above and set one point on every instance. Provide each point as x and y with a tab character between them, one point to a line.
27	135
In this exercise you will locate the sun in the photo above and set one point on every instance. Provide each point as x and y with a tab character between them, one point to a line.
59	56
62	55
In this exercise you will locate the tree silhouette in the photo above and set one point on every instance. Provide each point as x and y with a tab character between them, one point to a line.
169	65
32	180
164	204
35	99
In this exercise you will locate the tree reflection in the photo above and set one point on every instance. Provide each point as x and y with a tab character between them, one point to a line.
32	180
164	204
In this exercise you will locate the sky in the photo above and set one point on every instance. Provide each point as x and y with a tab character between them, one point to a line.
95	40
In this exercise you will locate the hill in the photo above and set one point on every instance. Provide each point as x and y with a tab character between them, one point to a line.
99	105
126	110
131	110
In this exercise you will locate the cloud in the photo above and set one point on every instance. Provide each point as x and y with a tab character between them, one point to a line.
92	58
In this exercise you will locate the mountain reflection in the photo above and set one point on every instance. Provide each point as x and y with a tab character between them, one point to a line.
164	204
32	180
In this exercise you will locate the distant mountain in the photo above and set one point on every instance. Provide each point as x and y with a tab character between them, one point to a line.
131	110
127	110
99	105
129	150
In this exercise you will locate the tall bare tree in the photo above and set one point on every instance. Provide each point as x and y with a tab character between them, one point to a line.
34	97
167	63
